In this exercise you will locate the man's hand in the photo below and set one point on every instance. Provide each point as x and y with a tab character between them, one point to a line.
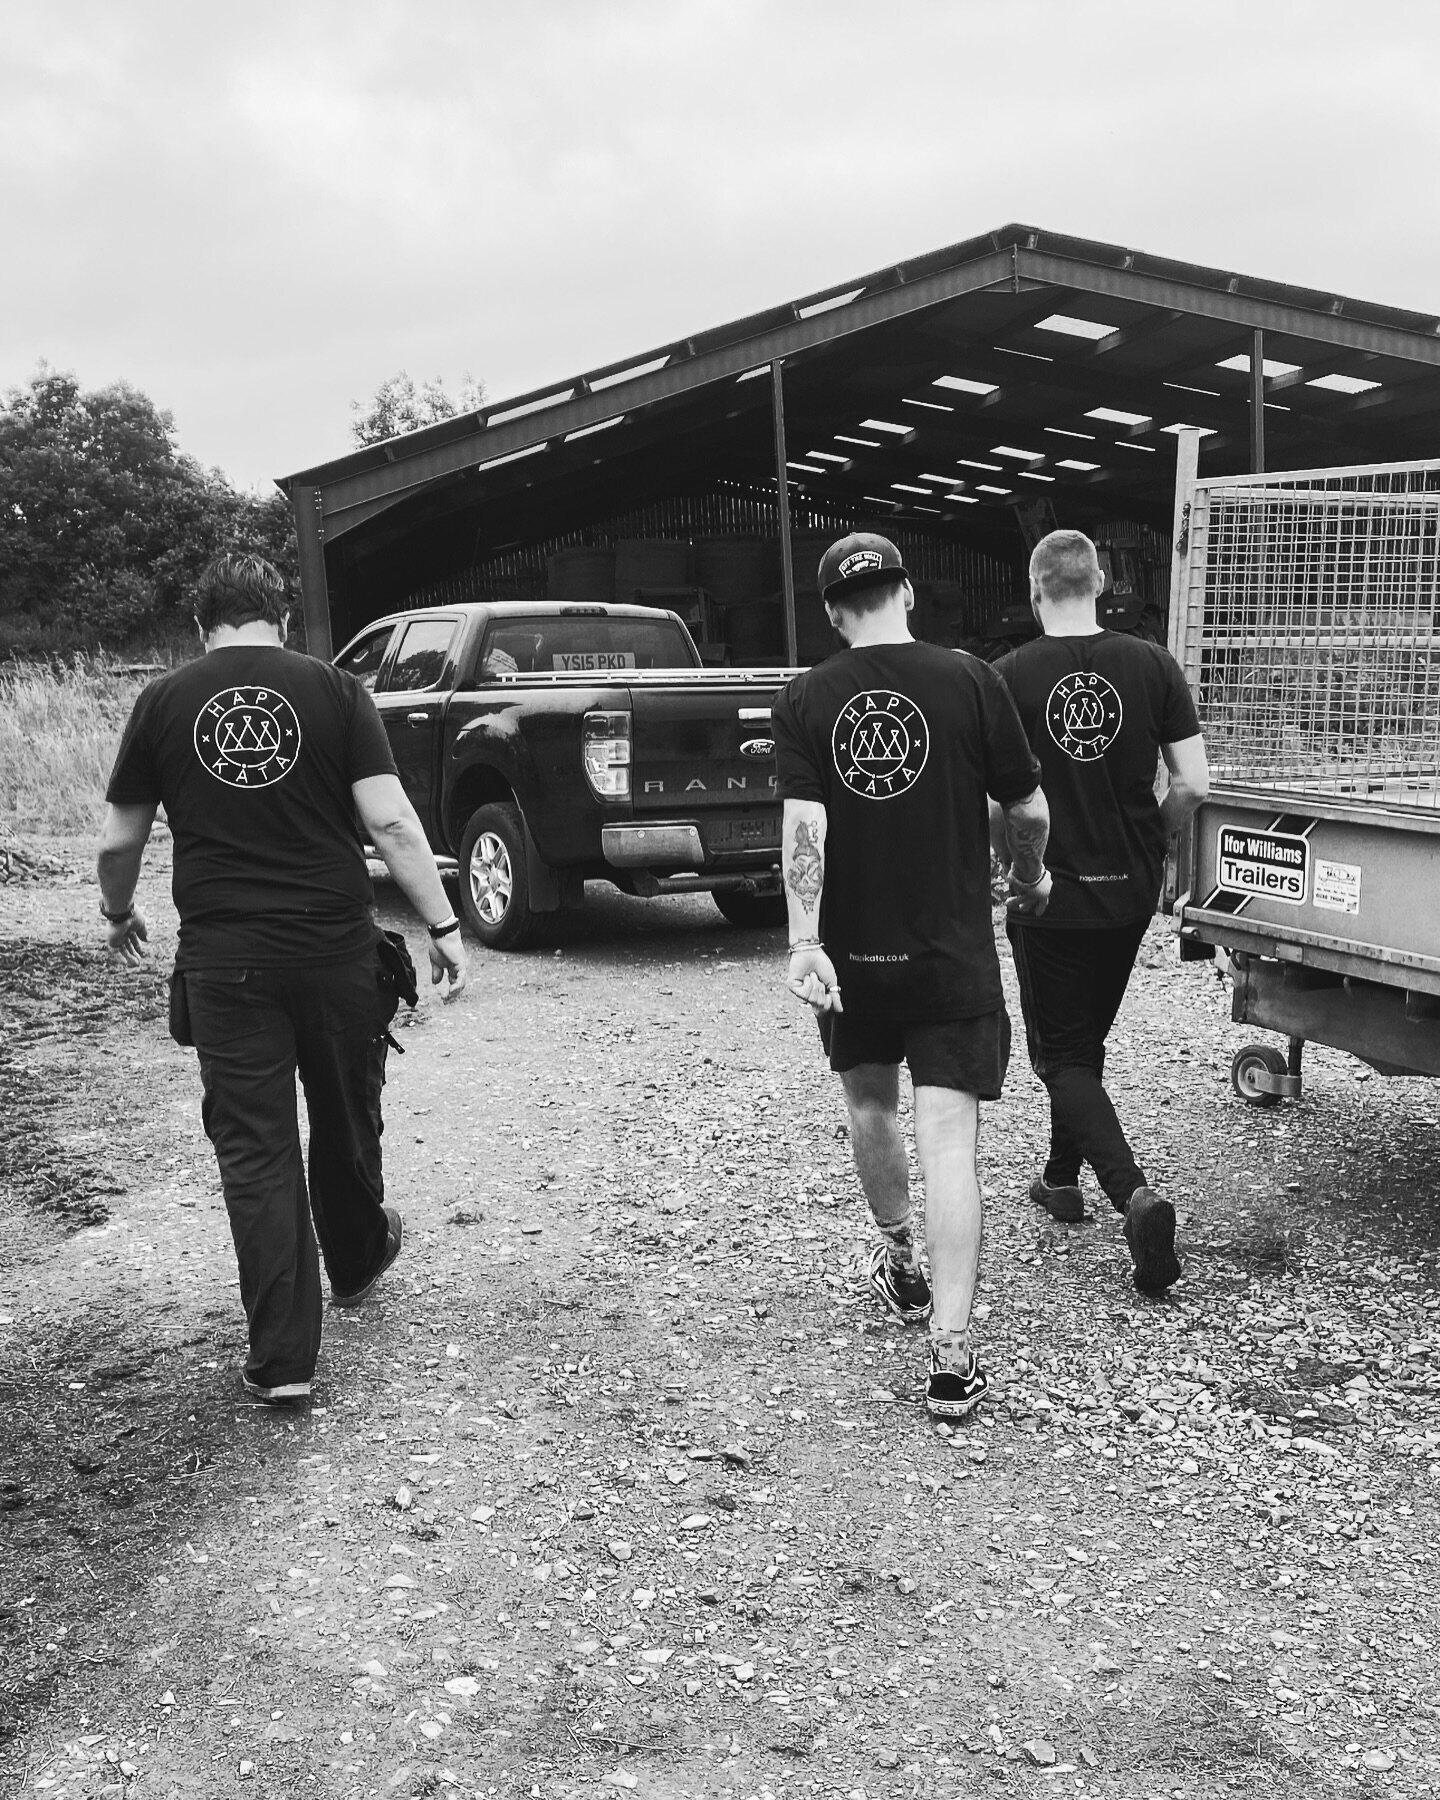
126	938
447	957
1029	898
811	977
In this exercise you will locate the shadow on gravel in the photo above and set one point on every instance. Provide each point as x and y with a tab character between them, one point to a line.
106	1430
55	994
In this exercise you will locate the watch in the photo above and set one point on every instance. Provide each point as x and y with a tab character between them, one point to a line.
444	928
117	918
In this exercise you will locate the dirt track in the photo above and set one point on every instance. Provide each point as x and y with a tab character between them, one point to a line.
620	1483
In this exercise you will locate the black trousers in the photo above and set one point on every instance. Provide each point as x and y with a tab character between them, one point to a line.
1071	986
253	1029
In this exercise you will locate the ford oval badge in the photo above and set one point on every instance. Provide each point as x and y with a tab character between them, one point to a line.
758	747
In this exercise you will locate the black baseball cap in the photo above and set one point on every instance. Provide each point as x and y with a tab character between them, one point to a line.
862	560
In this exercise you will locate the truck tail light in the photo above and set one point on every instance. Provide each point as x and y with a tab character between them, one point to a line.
605	748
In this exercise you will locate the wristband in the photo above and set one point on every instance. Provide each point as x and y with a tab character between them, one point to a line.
116	918
1028	885
444	928
806	944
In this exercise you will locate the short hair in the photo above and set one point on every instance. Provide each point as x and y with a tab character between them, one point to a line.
862	600
1064	566
237	589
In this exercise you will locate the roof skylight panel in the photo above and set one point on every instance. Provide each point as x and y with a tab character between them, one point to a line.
961	384
1268	368
1343	384
1070	327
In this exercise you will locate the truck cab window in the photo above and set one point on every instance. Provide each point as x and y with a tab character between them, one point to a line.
420	660
362	659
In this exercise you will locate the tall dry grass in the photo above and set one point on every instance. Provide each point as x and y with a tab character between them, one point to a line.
59	728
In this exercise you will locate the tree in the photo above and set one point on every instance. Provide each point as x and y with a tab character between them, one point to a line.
104	523
398	406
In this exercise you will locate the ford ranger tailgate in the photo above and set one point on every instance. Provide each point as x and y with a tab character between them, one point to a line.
704	751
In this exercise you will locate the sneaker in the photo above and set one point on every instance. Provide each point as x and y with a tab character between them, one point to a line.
1067	1204
905	1292
1150	1233
951	1395
287	1393
392	1250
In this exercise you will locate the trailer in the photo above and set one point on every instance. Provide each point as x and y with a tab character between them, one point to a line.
1306	616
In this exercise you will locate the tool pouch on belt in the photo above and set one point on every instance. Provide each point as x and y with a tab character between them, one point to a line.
397	974
180	1009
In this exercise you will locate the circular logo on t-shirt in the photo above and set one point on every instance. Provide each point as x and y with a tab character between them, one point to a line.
248	737
880	743
1084	714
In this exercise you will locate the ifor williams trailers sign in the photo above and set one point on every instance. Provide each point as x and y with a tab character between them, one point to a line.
1266	865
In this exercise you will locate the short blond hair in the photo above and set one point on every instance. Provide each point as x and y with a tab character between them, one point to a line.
1064	566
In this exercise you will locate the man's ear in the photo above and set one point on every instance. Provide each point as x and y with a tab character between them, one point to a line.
909	598
284	626
199	627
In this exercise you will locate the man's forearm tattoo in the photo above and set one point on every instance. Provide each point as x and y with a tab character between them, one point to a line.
806	874
1027	837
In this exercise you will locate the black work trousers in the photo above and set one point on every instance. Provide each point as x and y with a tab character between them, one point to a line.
253	1028
1071	986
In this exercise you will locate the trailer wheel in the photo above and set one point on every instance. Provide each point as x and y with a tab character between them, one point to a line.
495	880
1253	1060
757	912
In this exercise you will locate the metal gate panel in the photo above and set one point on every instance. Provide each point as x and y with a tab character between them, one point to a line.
1308	626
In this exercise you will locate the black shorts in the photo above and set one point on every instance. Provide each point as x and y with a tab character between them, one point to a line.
969	1054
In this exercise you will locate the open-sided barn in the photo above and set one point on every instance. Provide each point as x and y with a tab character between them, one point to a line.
961	403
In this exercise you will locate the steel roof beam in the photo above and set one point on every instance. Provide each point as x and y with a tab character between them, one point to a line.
1232	306
475	448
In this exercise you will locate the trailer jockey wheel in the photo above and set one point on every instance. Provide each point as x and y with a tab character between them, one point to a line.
1249	1069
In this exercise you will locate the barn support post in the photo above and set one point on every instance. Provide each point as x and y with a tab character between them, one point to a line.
782	488
1187	467
1257	402
314	590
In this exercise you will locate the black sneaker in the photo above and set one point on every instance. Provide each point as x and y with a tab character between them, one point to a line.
286	1393
392	1249
1067	1204
951	1395
905	1291
1150	1233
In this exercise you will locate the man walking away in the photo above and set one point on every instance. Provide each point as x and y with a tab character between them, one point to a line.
262	760
1098	707
886	755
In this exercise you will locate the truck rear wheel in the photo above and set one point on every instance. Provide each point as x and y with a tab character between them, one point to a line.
758	912
494	878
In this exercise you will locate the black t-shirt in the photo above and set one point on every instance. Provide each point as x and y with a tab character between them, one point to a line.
251	751
1096	710
901	743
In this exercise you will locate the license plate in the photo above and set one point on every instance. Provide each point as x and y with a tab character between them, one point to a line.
743	834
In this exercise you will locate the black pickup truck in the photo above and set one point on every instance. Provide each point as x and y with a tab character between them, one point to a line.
547	745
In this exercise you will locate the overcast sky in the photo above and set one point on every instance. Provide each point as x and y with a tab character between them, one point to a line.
256	212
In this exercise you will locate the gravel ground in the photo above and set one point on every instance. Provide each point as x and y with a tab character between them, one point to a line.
621	1483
